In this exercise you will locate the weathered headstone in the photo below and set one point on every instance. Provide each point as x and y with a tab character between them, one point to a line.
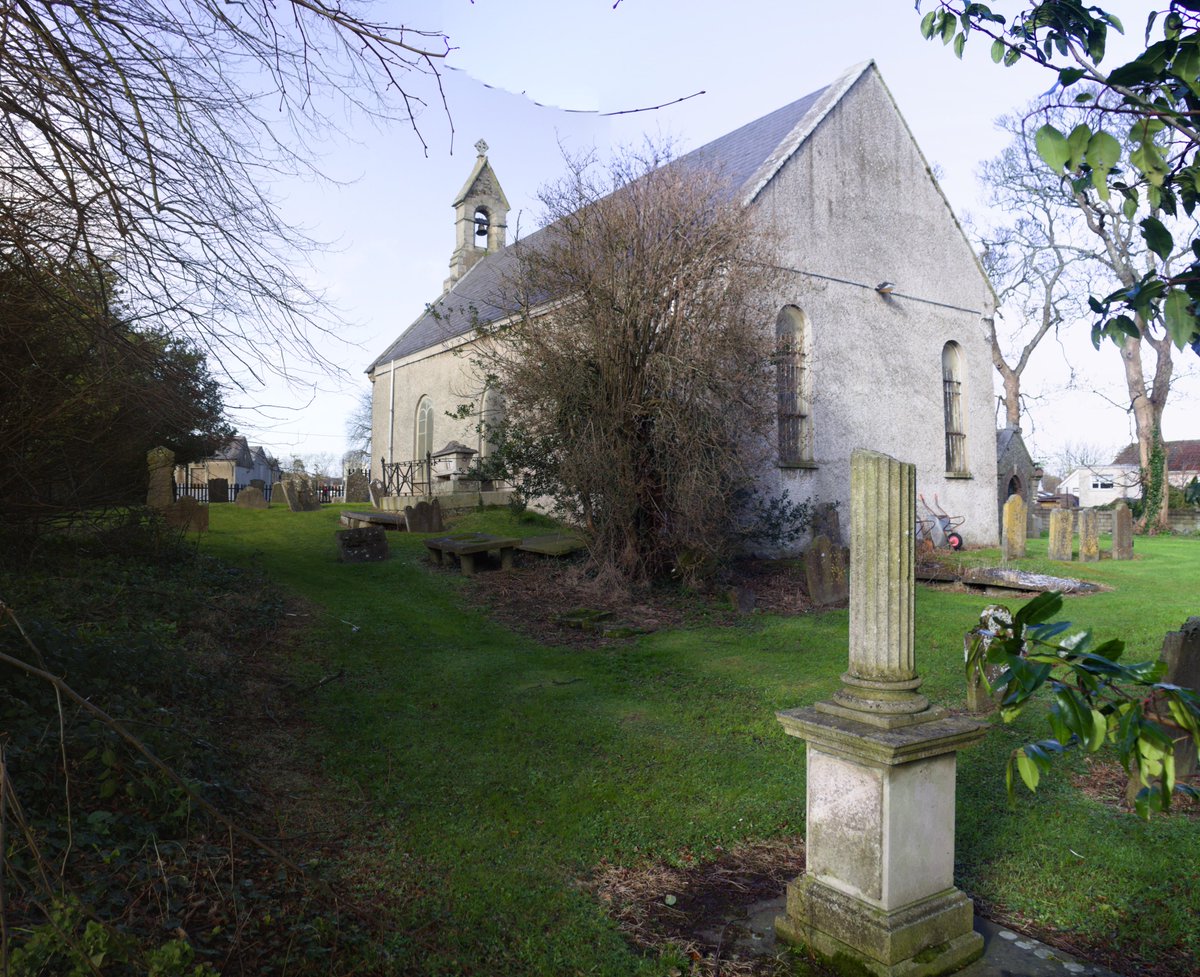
187	514
366	545
298	494
995	621
878	890
1089	536
827	523
1181	653
356	487
376	491
1014	530
1062	535
218	490
1122	534
161	462
825	573
251	498
291	495
259	484
424	517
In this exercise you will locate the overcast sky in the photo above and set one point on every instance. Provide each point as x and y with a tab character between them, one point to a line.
529	76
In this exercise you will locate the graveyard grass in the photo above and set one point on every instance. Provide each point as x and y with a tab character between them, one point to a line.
497	772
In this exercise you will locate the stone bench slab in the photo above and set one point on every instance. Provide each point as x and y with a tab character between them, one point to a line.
553	544
359	520
466	546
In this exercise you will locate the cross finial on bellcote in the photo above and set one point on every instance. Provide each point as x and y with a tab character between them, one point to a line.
481	148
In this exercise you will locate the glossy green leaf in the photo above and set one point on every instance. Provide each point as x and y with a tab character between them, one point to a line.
1099	731
1052	147
949	26
998	49
960	42
1181	324
927	24
1077	144
1012	57
1068	76
1158	238
1028	770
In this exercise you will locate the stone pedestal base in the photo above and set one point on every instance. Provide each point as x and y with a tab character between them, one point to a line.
878	894
924	939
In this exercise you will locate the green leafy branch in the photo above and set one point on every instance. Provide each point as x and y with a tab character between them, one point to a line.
1159	90
1094	700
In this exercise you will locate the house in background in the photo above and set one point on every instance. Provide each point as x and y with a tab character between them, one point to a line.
237	461
1097	485
881	308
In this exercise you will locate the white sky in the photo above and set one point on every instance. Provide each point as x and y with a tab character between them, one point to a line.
393	222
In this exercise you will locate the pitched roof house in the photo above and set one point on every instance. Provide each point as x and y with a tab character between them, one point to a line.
882	300
1095	485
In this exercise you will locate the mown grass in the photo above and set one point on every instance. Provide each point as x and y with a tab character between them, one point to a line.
501	770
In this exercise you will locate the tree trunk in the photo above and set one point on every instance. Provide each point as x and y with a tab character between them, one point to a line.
1147	414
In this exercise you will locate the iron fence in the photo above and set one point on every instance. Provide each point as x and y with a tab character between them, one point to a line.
407	477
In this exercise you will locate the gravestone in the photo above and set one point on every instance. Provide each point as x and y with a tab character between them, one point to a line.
1089	536
1015	530
1122	532
298	493
188	515
251	498
424	517
1181	653
356	487
995	621
161	492
878	894
827	523
259	484
291	495
376	492
218	490
825	573
366	545
1062	535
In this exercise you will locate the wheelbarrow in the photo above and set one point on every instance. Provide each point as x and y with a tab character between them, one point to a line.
941	528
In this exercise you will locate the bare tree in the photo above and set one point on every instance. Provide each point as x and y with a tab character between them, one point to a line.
1031	260
635	374
1110	237
140	138
358	433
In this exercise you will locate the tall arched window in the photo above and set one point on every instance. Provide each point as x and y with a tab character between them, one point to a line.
952	400
491	414
793	382
424	438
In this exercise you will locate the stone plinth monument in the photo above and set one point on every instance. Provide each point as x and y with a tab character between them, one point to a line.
878	894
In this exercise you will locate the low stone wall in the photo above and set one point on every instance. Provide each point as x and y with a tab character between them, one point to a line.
1181	522
449	501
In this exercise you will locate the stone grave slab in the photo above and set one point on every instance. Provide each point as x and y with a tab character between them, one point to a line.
376	492
388	520
218	490
366	545
1014	529
826	573
1089	536
1062	535
1122	532
188	515
424	517
357	488
467	546
552	544
161	493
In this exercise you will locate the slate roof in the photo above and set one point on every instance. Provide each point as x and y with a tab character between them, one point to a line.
746	158
1182	456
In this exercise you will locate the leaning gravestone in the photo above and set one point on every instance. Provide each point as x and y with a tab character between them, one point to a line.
1122	532
298	494
1062	535
827	523
825	573
878	894
1181	653
1089	536
161	493
291	495
376	491
356	487
1014	531
218	490
187	514
251	498
366	545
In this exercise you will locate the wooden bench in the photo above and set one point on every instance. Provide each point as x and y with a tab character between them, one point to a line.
466	546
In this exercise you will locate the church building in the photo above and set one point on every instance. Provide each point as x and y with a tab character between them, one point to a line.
880	311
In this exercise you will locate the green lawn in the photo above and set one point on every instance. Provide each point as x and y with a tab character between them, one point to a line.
499	771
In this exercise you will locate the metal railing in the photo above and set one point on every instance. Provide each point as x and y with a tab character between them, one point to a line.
407	477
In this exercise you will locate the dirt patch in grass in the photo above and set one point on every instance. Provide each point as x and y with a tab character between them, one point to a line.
1104	781
535	596
710	919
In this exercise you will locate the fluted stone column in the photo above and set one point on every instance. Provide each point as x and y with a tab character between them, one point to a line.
878	895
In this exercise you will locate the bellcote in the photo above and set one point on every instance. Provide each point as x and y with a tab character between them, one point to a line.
480	215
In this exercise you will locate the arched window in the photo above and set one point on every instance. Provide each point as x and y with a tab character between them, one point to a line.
424	438
793	383
491	414
952	400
